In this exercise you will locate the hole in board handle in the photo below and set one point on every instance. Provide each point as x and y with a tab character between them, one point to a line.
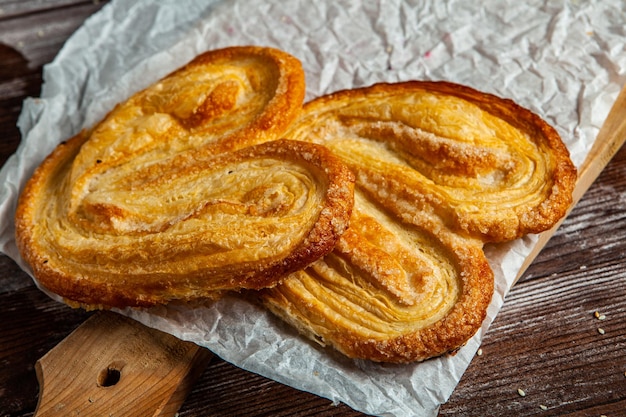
110	375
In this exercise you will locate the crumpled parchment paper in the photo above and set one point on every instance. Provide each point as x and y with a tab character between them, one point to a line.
564	60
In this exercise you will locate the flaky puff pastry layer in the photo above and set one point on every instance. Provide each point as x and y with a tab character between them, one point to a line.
182	191
441	169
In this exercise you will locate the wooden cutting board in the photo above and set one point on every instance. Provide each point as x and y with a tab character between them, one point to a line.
112	365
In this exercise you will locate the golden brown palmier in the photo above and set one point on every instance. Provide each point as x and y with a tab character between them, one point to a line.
440	170
174	197
486	166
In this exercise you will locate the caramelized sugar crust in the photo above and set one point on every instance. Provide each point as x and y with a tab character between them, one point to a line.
440	169
184	190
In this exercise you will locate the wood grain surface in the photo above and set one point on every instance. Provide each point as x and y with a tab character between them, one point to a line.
547	353
113	365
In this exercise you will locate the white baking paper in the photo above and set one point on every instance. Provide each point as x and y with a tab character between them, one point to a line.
565	60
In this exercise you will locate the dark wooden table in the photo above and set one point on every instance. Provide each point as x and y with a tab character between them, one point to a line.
546	340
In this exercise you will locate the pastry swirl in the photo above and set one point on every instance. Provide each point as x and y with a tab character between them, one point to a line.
440	170
165	201
486	166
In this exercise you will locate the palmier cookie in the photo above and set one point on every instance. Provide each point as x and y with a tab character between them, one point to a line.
440	169
174	197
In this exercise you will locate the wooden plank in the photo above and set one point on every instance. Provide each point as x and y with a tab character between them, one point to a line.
14	9
546	342
37	37
31	34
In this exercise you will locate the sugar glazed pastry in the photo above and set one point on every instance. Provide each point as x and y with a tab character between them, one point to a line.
185	190
441	169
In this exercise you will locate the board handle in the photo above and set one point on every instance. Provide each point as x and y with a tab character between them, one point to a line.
112	365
